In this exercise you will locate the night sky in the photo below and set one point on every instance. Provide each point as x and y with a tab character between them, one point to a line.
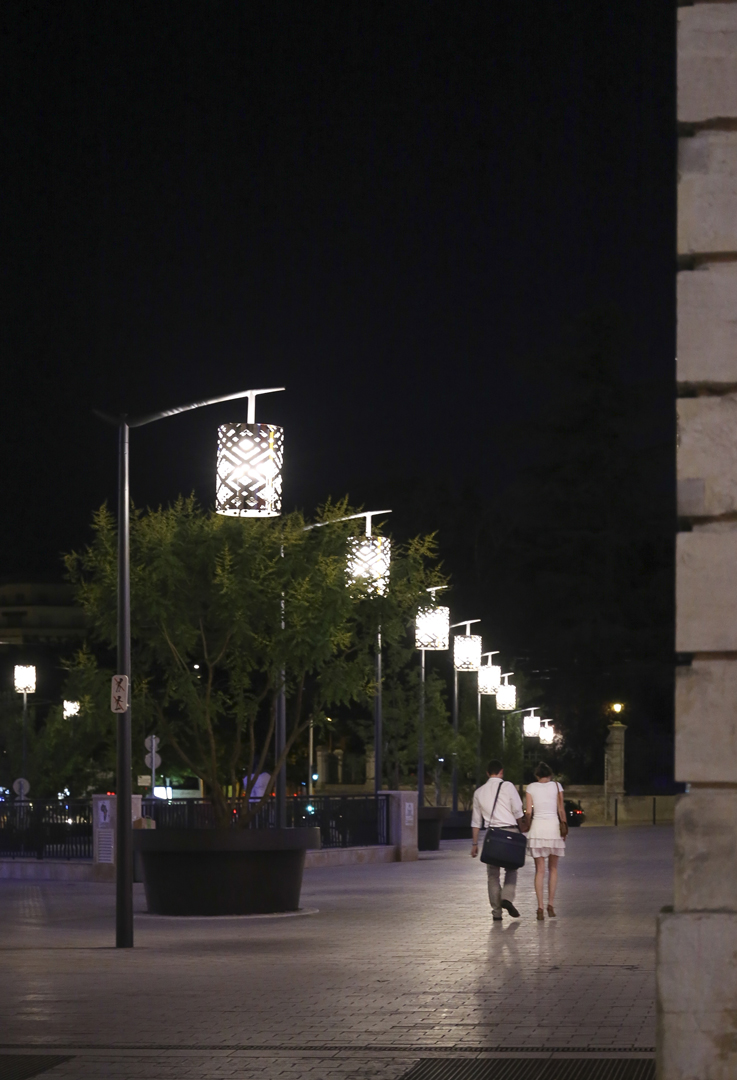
383	206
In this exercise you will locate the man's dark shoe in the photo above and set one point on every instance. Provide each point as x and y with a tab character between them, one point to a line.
509	906
496	918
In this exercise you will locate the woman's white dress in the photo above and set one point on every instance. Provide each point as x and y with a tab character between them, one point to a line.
544	837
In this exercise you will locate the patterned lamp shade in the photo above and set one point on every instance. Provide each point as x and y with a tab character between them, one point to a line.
467	652
71	708
506	697
25	678
547	733
531	726
369	558
432	628
490	679
250	459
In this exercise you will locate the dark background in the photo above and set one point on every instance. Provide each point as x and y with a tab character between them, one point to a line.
445	227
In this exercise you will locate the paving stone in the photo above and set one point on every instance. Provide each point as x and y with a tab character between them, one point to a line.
400	958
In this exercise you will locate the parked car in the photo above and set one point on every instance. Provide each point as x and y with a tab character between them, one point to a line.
574	814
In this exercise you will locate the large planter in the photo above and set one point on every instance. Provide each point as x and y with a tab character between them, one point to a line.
429	826
457	825
223	871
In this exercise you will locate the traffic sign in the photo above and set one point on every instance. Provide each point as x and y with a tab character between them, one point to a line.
153	764
151	742
21	787
119	694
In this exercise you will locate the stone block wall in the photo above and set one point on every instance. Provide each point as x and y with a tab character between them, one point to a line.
697	941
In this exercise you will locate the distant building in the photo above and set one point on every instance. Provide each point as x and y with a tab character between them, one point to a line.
33	613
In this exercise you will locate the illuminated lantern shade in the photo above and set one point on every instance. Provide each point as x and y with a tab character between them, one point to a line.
490	679
25	679
71	708
467	652
432	628
547	733
531	724
249	467
506	696
368	560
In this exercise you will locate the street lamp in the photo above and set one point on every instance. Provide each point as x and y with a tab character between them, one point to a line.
531	724
547	733
466	657
249	465
432	633
124	788
489	679
25	684
506	695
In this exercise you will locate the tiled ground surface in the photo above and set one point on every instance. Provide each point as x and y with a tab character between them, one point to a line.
399	958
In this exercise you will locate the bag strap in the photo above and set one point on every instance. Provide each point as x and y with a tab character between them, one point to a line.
493	808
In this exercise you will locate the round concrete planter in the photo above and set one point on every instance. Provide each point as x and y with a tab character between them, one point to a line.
429	826
223	871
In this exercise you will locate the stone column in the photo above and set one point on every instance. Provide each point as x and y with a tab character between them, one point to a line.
103	833
370	767
322	764
339	756
697	940
613	767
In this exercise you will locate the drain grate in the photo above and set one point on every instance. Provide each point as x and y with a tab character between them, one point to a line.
531	1069
24	1066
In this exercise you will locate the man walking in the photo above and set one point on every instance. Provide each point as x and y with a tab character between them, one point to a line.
506	814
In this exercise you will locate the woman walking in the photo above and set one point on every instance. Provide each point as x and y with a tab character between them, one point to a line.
546	838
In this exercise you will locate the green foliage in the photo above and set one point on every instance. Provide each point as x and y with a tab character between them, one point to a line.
223	610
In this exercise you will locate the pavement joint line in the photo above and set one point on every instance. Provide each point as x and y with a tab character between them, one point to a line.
207	919
363	1049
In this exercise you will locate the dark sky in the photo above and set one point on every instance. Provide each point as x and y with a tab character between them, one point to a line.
380	205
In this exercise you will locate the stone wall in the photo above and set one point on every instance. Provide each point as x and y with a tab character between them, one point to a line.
697	941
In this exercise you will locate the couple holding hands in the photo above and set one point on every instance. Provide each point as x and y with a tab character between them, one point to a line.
498	805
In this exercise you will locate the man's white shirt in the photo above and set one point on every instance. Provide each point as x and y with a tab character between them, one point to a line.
508	808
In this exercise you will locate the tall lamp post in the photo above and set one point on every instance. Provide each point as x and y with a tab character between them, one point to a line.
432	632
25	684
489	680
466	657
506	699
248	485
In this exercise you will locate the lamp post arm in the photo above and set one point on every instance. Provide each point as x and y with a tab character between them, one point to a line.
150	418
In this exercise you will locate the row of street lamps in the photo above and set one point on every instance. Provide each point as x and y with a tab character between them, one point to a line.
432	634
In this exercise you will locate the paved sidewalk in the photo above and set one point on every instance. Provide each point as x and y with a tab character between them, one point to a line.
400	960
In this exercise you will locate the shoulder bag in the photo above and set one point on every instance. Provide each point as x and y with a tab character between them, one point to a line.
503	847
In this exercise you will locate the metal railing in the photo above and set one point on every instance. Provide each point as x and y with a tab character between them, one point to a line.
46	829
343	820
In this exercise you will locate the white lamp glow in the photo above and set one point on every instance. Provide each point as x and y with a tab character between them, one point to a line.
506	695
249	465
531	725
490	675
71	708
467	652
432	628
369	559
25	678
547	733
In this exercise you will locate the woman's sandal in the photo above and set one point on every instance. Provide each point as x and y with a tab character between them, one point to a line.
540	914
551	912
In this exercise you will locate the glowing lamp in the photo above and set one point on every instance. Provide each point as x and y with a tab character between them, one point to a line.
467	652
490	676
432	628
368	560
547	733
71	708
249	467
531	726
617	707
506	695
25	678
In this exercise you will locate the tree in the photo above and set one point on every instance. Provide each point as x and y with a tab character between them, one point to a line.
223	611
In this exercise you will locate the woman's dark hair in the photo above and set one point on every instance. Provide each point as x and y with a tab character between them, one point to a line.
543	770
